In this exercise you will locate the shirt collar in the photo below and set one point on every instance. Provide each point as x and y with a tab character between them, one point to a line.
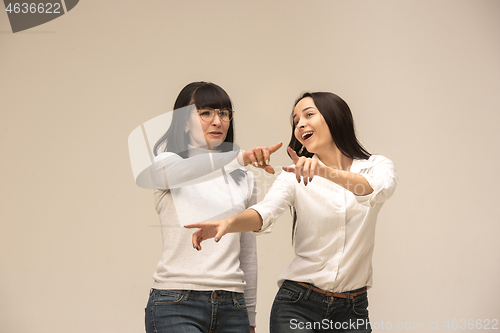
193	151
356	166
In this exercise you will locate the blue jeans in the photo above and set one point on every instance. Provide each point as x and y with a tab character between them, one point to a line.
191	311
299	309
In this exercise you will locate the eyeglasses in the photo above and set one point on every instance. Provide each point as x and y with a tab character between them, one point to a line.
208	114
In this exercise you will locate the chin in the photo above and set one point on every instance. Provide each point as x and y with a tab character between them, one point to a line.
215	144
311	149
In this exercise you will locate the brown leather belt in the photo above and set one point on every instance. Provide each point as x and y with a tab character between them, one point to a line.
329	293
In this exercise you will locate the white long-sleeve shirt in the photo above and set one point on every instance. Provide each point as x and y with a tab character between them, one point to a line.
335	229
230	264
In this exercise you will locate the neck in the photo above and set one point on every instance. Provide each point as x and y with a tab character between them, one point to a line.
196	146
335	159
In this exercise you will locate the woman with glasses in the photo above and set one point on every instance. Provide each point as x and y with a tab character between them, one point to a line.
198	176
335	190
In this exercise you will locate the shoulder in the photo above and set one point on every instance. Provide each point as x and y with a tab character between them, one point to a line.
375	160
379	159
165	155
372	164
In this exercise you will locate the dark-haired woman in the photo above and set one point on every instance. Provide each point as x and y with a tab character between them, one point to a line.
197	174
335	189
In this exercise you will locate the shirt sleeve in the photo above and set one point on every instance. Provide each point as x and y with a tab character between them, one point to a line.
382	178
170	170
277	200
248	260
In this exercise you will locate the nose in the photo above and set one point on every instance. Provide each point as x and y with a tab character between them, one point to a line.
216	121
301	123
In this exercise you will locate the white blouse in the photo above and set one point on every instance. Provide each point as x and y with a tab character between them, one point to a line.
335	229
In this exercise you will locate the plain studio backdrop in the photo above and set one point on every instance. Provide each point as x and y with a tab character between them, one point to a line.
79	241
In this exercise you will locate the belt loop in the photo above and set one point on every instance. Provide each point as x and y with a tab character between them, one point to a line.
308	292
235	301
186	295
348	299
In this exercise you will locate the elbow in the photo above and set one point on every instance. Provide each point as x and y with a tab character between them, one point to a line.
362	189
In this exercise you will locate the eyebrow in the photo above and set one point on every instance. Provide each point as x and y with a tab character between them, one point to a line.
305	109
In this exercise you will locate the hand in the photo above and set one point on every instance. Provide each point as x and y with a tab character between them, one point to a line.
207	230
304	167
261	156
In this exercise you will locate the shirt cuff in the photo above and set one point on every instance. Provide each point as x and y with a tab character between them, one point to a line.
234	164
369	199
267	220
251	317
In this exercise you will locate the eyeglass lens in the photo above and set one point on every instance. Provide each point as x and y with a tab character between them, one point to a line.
208	114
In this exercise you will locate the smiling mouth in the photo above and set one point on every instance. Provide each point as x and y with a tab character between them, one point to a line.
306	136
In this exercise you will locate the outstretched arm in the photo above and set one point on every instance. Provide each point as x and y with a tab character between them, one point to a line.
249	220
307	168
169	170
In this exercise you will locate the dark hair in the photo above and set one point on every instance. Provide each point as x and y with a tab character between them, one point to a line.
201	94
339	119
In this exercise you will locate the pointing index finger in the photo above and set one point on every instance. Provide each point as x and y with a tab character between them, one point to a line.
275	147
293	155
193	226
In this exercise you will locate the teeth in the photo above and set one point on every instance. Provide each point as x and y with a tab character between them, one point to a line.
305	134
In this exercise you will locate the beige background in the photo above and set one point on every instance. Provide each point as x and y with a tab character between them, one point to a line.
79	241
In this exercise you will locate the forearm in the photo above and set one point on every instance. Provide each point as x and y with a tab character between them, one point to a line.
351	181
169	170
249	220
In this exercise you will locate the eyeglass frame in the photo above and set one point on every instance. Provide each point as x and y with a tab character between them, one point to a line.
218	113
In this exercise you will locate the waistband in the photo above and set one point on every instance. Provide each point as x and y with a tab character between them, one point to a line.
220	295
351	294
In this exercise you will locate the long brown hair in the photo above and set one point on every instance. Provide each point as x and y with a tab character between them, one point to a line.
338	117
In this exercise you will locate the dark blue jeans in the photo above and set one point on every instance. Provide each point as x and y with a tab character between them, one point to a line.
299	309
190	311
